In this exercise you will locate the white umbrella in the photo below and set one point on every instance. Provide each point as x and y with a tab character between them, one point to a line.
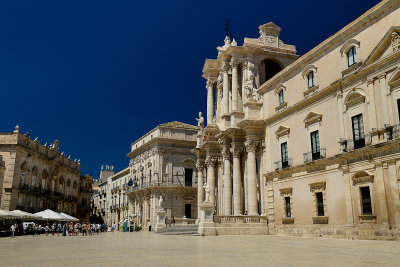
51	215
27	215
6	214
69	217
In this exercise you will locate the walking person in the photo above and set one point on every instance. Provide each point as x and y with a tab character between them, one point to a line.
39	230
12	228
59	229
53	228
83	228
46	229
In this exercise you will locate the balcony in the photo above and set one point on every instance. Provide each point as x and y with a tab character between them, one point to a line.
393	132
177	183
283	164
351	145
85	190
312	156
23	187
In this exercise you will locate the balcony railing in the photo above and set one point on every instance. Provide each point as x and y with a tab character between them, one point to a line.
155	184
393	132
311	156
23	187
350	144
239	219
86	189
283	164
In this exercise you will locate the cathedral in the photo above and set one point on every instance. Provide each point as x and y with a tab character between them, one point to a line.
304	145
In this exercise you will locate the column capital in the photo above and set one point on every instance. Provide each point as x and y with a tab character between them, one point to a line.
211	161
370	81
236	151
251	146
226	65
200	166
226	154
382	76
210	83
234	62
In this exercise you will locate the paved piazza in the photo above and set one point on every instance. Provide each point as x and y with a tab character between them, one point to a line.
149	249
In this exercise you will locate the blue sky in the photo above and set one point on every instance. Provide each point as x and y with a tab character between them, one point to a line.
97	75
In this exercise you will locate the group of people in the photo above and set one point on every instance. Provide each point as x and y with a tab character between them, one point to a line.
64	229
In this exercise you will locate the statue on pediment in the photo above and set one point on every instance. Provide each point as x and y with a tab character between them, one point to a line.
395	42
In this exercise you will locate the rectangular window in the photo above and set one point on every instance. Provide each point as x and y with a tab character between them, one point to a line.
315	149
310	79
284	155
320	204
281	98
366	200
358	131
352	56
287	207
398	107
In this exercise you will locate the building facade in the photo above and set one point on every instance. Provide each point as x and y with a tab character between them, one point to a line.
39	177
162	165
308	144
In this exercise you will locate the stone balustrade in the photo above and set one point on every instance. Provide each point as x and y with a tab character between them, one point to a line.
239	219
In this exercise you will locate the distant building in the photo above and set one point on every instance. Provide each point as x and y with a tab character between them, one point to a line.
38	177
162	165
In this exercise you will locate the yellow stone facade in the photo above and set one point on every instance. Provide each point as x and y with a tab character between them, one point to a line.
35	177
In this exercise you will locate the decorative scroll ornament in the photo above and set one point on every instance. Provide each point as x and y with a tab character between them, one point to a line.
395	42
200	166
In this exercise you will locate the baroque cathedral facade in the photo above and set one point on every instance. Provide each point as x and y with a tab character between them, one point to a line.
305	145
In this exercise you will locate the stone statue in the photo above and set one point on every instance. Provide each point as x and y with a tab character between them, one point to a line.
200	121
207	190
160	201
200	124
251	90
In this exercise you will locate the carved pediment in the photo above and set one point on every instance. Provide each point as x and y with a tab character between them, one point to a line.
282	131
388	45
312	118
354	98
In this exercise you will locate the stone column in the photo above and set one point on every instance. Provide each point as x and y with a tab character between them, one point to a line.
210	162
235	85
237	205
200	189
371	104
380	194
395	192
382	82
225	90
227	182
210	101
252	177
339	98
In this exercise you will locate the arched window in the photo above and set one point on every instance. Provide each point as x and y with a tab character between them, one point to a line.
268	68
281	97
310	78
352	56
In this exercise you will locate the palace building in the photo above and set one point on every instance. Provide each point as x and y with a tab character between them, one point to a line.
162	166
35	177
305	145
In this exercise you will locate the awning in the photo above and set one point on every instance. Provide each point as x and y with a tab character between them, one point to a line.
6	214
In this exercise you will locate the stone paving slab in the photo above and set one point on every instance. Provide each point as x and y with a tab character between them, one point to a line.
149	249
